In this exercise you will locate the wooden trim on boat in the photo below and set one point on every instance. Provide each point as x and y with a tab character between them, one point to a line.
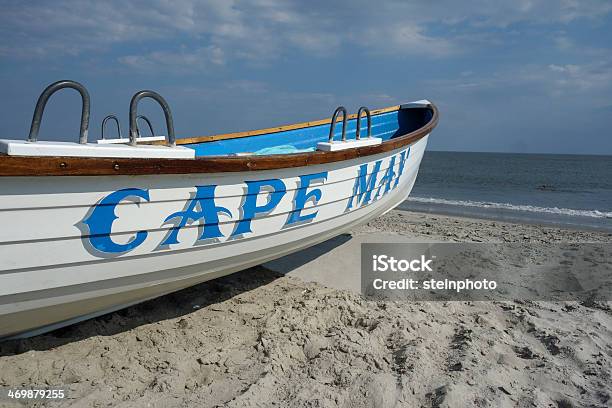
89	166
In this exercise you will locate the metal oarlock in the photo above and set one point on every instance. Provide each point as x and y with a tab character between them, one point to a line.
143	117
333	123
369	118
134	115
106	119
42	102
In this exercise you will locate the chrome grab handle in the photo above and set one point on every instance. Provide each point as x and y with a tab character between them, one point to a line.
106	119
369	118
134	114
333	123
143	117
42	102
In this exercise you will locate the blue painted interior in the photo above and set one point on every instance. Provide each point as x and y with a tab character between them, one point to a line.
385	126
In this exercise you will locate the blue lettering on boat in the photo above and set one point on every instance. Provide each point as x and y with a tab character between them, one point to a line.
250	207
366	181
302	197
203	209
100	222
386	179
402	163
208	212
364	185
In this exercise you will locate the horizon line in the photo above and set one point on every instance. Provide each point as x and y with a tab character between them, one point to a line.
532	153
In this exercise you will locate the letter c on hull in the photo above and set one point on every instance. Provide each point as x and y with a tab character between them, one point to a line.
100	222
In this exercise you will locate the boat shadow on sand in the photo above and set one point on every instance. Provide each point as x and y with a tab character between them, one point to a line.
170	306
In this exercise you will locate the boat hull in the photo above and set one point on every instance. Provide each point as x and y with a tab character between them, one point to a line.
78	247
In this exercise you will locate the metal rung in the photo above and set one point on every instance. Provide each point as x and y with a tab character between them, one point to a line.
42	102
143	117
134	115
333	123
106	119
369	117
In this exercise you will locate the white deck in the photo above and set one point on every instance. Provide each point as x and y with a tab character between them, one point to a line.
71	149
336	145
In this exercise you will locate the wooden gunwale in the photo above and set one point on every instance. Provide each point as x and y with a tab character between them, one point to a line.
91	166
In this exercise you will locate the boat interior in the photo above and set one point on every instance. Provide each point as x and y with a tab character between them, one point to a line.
306	137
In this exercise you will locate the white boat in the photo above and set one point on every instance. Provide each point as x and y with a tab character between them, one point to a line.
90	228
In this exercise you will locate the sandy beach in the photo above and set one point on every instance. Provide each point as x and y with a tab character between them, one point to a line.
297	333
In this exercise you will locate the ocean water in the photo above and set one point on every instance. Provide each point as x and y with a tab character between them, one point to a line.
567	190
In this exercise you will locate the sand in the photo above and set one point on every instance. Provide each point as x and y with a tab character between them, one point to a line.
296	333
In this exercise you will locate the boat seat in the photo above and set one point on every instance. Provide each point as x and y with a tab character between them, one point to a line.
72	149
336	145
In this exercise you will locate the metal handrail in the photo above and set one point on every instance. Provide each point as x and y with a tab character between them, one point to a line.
134	114
369	118
333	123
42	102
106	119
143	117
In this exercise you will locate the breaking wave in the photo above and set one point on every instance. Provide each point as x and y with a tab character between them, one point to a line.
514	207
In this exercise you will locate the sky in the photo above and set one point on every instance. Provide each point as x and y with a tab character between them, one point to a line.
528	76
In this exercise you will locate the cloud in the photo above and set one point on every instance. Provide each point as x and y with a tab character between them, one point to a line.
503	14
563	42
404	39
580	78
589	82
258	29
73	27
183	60
199	35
